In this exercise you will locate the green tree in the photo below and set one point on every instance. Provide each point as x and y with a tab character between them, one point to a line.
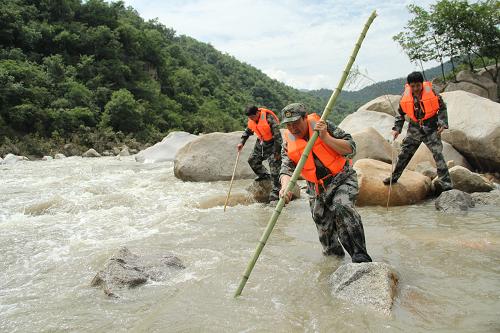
123	112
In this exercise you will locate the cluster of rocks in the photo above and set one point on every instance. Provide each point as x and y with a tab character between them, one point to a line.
480	83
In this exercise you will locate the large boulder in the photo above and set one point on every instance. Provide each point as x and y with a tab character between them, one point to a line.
468	181
166	149
411	187
467	87
12	159
211	157
423	154
128	270
370	144
361	120
388	104
91	153
259	191
372	284
124	151
474	129
479	80
454	201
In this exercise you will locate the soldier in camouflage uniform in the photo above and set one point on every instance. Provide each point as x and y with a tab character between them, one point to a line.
270	149
427	131
332	203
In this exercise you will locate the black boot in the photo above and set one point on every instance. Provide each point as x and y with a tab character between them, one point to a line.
361	257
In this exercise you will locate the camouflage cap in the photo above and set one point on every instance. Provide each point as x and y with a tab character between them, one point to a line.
293	112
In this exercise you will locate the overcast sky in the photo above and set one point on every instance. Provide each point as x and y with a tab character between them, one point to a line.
304	44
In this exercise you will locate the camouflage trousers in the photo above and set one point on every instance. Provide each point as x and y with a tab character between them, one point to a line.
432	140
337	220
265	151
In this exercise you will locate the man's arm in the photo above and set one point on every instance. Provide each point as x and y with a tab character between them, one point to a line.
442	113
287	169
399	120
246	134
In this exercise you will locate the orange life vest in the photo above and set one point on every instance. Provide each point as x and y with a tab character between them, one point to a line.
332	160
429	102
261	128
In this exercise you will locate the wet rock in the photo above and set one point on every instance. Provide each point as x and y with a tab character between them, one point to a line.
116	151
128	270
47	158
166	149
259	191
468	181
59	156
91	153
426	169
107	153
411	188
12	159
124	151
454	201
133	151
474	129
370	144
211	157
371	284
387	104
486	198
218	200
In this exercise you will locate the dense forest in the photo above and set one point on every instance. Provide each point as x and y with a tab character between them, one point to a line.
92	72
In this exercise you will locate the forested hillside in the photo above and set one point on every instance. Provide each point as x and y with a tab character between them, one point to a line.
85	71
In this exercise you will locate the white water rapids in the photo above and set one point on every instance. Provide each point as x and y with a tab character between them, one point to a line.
60	220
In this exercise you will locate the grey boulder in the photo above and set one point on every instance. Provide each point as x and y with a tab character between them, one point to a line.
454	201
372	284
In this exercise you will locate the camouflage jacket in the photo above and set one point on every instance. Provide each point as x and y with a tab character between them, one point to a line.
275	128
441	119
288	166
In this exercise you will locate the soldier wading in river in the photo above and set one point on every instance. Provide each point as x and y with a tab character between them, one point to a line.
332	182
265	124
428	118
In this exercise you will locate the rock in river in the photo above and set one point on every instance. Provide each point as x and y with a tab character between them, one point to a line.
454	201
372	284
126	269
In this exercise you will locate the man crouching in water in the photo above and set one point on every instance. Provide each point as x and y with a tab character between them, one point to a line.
332	182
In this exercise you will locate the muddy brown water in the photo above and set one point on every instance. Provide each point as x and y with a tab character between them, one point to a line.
60	220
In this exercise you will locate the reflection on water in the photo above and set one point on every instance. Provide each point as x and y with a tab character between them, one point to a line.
60	220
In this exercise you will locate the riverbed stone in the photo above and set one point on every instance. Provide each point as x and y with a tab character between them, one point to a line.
59	156
47	158
388	104
12	159
468	181
259	191
372	284
128	270
411	187
487	198
91	153
124	151
454	201
211	157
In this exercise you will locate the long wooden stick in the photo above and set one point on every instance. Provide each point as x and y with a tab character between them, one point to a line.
302	161
232	179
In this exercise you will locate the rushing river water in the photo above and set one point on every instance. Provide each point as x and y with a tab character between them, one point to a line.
60	220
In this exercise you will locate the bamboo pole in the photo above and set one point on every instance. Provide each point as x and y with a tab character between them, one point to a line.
392	171
232	179
302	161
